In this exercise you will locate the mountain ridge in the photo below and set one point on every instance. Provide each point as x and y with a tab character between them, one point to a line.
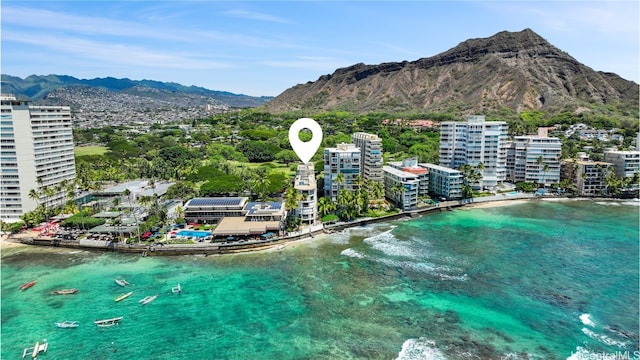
517	70
37	87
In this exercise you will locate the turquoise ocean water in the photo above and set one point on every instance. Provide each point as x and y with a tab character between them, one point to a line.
540	280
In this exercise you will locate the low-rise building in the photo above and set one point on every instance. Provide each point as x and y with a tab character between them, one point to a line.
412	166
211	210
444	182
587	176
236	216
401	187
625	163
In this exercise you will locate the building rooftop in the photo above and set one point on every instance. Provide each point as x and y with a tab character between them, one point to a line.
399	173
217	201
263	208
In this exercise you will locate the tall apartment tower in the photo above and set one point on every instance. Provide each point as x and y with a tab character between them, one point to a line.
535	158
473	142
370	156
305	185
36	152
343	159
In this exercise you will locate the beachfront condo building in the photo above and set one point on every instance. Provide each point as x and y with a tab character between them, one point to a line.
444	183
476	142
625	163
370	156
534	158
305	185
36	154
588	176
412	166
401	187
341	169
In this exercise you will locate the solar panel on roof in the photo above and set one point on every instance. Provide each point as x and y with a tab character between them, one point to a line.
254	206
234	201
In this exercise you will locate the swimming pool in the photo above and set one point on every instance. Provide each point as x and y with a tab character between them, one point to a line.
193	233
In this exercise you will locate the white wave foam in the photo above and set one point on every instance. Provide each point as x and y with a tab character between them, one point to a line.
463	277
388	244
604	338
608	203
420	349
352	253
586	320
440	271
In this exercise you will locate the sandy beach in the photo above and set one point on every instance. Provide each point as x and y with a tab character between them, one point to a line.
496	203
10	241
14	240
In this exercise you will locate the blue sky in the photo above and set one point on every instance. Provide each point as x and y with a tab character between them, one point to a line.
265	47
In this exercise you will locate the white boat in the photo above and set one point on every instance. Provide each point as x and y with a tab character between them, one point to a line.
148	299
67	324
176	289
123	296
122	282
108	322
36	349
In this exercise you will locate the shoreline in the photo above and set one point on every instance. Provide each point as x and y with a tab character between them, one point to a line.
10	241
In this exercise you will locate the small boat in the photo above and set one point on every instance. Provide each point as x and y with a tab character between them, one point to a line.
38	347
176	289
123	296
122	282
67	324
25	286
65	292
108	322
148	299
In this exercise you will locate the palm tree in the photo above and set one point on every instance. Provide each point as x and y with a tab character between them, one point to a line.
612	182
376	189
48	193
292	198
540	162
261	186
398	191
362	199
326	206
480	173
344	198
359	180
339	180
33	195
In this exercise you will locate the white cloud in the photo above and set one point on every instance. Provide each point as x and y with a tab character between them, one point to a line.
244	14
113	53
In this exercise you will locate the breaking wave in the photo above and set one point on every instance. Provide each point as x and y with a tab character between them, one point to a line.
420	349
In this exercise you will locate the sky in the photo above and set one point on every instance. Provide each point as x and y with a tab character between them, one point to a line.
262	48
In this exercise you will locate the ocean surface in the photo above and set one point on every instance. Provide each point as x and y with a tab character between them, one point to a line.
535	280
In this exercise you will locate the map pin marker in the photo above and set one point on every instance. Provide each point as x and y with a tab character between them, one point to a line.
305	150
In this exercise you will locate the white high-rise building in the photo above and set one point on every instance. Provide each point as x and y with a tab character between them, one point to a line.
305	185
535	158
476	142
36	153
370	156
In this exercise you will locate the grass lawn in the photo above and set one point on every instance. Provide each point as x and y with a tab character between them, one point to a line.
89	150
273	165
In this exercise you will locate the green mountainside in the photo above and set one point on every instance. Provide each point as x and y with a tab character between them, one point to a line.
37	87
